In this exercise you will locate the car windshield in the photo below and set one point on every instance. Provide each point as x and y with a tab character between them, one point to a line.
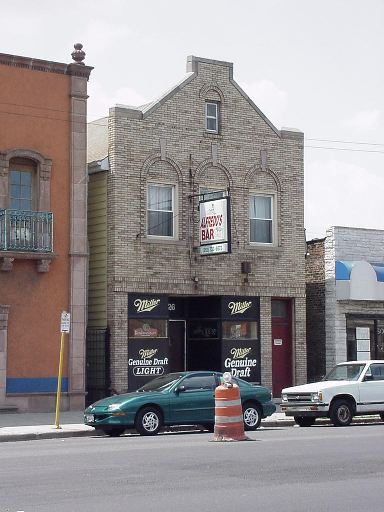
161	383
345	372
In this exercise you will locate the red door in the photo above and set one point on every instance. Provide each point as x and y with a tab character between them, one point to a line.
281	345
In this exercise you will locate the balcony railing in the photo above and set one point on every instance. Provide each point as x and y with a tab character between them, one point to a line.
26	231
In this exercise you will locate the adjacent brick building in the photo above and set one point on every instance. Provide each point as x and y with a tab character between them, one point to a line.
43	242
345	297
164	305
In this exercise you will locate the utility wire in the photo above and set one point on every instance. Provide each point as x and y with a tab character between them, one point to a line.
345	149
104	125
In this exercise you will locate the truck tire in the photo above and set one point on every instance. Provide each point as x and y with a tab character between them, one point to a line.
304	421
341	413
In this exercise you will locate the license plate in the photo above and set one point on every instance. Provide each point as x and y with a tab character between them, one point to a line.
89	418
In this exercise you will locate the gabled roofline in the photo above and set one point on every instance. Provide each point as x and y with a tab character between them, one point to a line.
192	72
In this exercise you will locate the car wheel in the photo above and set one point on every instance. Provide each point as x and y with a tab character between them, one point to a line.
209	426
251	416
149	421
341	413
114	432
304	421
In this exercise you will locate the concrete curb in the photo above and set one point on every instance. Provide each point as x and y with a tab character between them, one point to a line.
68	431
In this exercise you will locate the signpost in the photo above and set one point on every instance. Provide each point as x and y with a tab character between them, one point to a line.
64	328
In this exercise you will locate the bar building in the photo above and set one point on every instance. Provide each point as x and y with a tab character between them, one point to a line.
159	300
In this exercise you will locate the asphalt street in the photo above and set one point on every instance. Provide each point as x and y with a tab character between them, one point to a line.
322	468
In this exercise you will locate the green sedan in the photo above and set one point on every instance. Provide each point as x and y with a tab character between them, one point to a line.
184	398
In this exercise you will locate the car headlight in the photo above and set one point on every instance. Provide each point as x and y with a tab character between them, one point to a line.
317	397
113	407
284	397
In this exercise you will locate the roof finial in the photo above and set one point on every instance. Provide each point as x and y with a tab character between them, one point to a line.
78	55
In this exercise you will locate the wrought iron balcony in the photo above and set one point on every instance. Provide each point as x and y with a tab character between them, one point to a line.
26	231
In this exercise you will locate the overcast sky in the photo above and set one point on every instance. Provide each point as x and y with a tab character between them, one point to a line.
315	65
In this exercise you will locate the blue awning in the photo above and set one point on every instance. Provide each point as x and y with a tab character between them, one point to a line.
343	270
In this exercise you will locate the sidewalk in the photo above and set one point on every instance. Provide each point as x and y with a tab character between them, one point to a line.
27	426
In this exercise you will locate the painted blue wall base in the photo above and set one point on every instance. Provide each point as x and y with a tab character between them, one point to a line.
35	385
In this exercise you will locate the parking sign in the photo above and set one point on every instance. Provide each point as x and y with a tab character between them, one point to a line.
65	321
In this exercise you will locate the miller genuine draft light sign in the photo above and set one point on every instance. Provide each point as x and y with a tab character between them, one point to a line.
214	226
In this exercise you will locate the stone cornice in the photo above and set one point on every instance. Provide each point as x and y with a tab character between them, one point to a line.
72	69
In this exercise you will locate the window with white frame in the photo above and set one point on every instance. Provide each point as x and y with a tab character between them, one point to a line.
261	218
212	117
160	210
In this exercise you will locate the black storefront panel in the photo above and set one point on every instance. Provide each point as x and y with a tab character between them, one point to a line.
242	359
148	346
240	307
240	348
147	359
147	305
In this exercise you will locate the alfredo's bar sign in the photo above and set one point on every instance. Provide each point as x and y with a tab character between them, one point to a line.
147	306
214	226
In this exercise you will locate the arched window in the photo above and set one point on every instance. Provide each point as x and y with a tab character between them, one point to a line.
22	185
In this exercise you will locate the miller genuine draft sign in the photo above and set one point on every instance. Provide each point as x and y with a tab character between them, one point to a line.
146	360
240	352
242	359
147	306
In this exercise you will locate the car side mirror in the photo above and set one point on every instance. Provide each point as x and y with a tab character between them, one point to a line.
180	389
368	378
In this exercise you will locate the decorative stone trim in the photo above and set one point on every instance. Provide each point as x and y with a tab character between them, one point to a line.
7	264
255	169
44	166
210	163
43	259
204	91
73	69
43	265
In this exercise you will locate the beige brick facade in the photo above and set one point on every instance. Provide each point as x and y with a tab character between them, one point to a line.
166	143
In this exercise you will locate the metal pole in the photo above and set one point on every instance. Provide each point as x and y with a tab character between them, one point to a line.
59	379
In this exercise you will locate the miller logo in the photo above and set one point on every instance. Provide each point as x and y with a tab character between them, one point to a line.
145	305
239	307
147	353
240	353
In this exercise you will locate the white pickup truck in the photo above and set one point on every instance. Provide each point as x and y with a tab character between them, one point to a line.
350	389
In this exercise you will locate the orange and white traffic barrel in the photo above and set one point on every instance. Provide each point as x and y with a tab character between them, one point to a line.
229	424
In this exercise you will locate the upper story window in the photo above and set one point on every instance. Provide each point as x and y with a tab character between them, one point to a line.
261	218
160	210
211	193
21	186
212	117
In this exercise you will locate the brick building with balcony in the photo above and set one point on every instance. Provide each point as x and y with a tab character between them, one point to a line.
43	237
165	301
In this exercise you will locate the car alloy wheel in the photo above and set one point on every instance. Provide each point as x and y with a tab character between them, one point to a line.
148	421
251	416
